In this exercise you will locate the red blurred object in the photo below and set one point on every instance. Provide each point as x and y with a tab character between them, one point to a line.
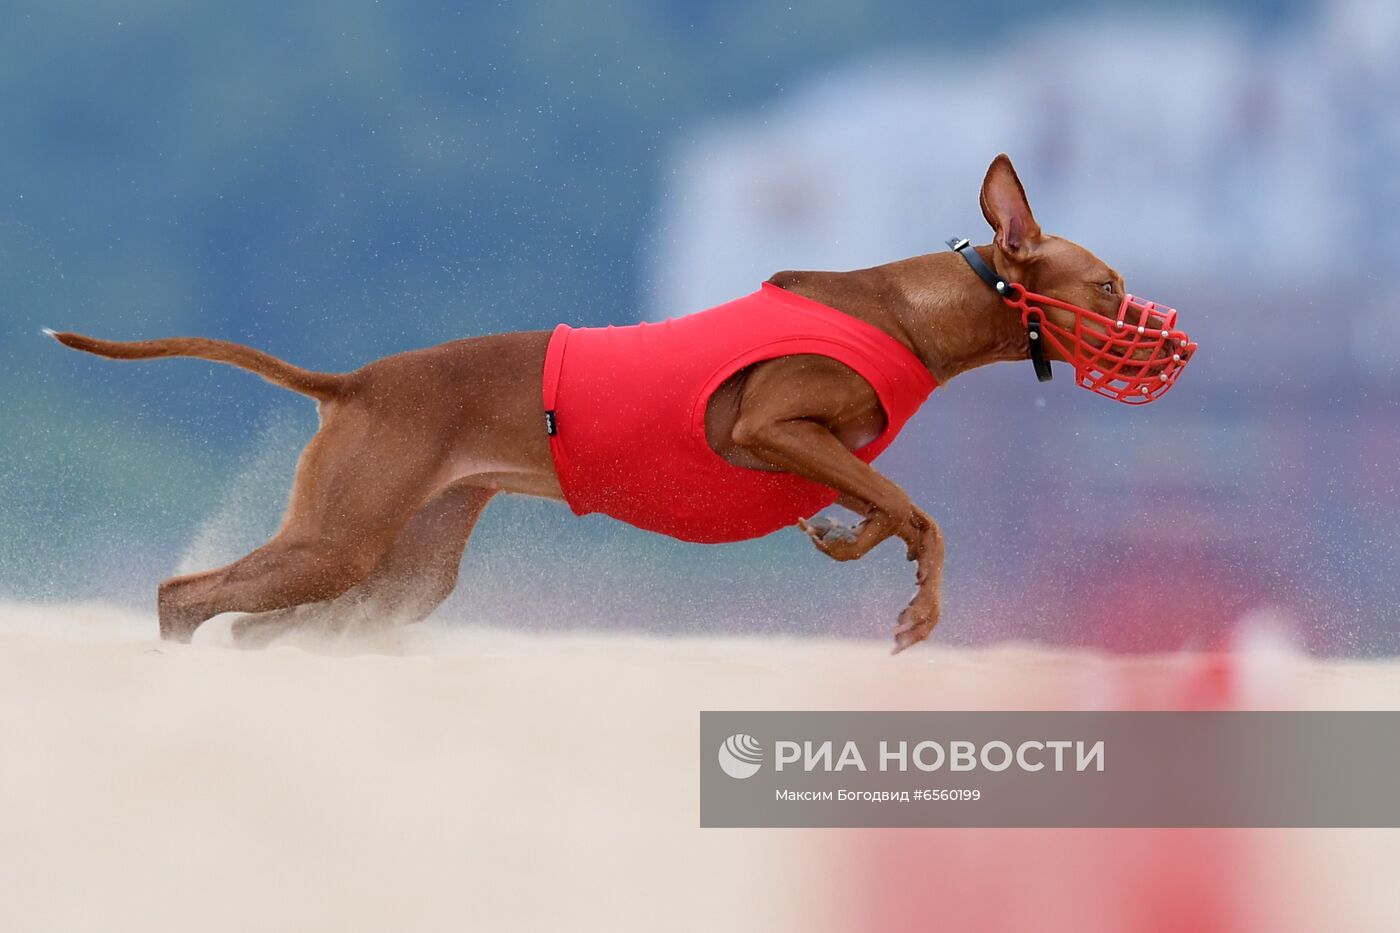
1189	880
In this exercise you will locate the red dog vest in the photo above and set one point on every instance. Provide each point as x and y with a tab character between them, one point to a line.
626	410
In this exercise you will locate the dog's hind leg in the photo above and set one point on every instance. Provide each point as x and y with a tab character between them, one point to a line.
357	486
411	580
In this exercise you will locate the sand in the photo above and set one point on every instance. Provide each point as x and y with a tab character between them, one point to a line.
458	777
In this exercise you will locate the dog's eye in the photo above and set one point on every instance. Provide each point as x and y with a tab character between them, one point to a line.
1109	287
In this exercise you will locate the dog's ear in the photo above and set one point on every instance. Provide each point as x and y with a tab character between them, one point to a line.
1006	209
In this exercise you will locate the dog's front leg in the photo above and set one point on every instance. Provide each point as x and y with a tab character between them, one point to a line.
841	541
809	449
924	542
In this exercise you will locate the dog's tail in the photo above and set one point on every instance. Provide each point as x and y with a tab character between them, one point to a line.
321	386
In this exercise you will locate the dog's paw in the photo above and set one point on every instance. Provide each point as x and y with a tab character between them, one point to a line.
916	623
829	529
835	539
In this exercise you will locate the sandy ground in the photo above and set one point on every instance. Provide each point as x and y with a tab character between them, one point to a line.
465	778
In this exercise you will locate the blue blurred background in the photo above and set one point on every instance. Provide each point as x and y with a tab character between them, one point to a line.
333	182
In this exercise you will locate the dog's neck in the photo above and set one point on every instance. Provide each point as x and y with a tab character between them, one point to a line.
933	304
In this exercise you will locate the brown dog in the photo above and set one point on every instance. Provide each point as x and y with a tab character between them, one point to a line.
413	446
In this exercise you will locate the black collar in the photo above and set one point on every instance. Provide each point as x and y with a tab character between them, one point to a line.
963	247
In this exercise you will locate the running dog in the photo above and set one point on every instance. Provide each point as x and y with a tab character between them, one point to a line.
719	426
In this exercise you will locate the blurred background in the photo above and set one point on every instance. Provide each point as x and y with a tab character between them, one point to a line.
333	182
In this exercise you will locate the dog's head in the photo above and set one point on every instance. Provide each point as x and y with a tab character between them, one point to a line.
1121	346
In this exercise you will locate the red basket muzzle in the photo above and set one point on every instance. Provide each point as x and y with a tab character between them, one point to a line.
1133	358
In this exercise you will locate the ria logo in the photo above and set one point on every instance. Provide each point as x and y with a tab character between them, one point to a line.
740	756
